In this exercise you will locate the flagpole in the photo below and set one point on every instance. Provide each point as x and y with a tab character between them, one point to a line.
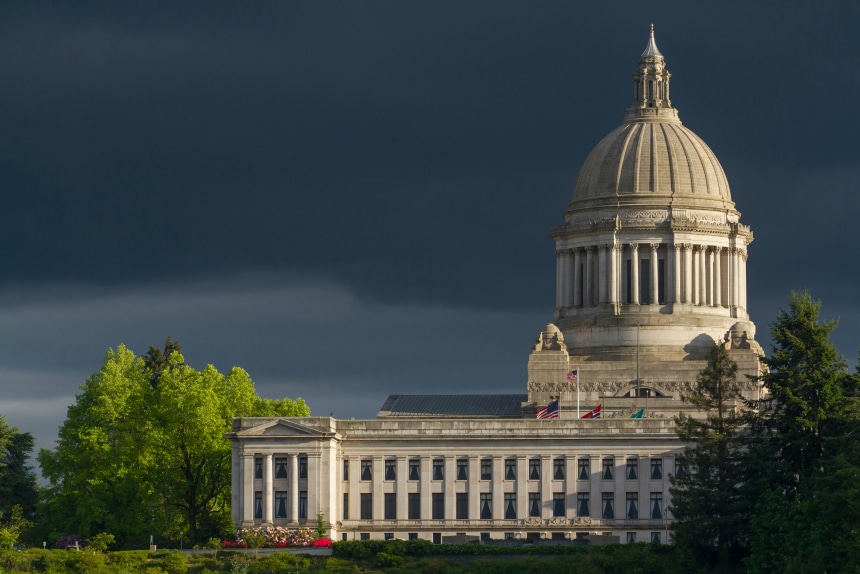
577	393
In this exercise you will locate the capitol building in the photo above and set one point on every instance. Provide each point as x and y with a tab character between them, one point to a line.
650	274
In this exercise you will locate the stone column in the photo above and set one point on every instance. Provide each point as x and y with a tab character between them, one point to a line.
743	279
615	251
559	273
569	279
735	284
294	488
378	493
655	296
474	497
688	273
546	485
402	471
676	274
634	273
424	480
703	277
313	484
248	489
602	275
268	475
354	488
522	486
588	290
577	278
718	277
498	489
450	471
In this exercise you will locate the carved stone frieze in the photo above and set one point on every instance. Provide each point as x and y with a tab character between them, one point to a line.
550	387
652	216
555	521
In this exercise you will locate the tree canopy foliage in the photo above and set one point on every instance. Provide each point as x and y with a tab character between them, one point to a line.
139	455
17	480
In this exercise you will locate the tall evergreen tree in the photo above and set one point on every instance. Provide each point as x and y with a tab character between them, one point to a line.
17	480
710	520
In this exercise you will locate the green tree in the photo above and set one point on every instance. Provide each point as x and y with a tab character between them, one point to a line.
709	512
17	480
12	525
135	457
801	448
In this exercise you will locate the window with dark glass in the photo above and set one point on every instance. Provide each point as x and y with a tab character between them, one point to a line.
608	465
486	505
346	470
655	538
679	469
258	468
365	536
366	470
632	505
303	504
631	538
583	465
582	504
462	469
437	500
656	468
462	506
558	504
558	469
534	504
437	538
412	536
486	469
346	506
280	504
510	505
366	505
511	469
608	505
632	469
414	466
303	467
390	469
438	469
258	504
390	503
280	468
656	505
414	503
388	536
534	469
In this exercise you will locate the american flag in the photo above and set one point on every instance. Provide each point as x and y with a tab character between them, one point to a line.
548	412
594	414
572	375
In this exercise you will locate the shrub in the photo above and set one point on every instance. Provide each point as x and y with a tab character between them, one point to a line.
323	542
128	559
173	563
282	561
385	560
418	547
333	564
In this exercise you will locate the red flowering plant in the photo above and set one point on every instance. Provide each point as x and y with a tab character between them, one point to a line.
322	542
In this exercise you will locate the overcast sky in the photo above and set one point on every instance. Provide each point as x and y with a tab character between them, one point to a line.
353	199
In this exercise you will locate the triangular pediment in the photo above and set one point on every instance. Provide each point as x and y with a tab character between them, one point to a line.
282	428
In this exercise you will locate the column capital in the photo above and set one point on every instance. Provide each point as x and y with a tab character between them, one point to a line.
634	247
677	246
687	246
655	246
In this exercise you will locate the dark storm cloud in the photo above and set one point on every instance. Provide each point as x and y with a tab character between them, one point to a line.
404	159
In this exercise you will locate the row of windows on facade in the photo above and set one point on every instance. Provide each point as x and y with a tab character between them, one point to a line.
510	471
281	504
485	508
437	536
281	467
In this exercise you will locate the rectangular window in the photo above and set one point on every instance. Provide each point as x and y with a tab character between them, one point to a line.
388	536
414	466
438	501
510	505
462	504
632	505
390	469
631	538
303	467
437	538
346	470
679	469
558	469
486	469
632	469
390	501
280	468
365	536
511	469
656	468
608	505
582	504
438	469
258	504
583	463
655	538
367	506
486	506
412	536
366	470
534	504
534	469
258	468
558	504
608	465
346	506
656	505
414	503
462	469
280	504
303	504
